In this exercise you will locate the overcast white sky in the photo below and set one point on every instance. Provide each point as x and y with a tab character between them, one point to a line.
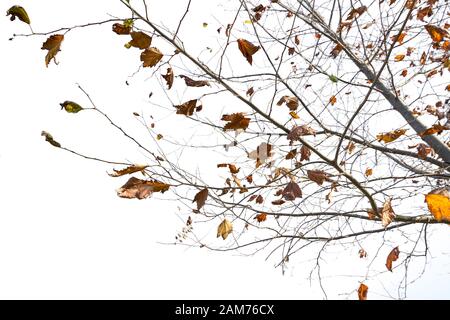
63	231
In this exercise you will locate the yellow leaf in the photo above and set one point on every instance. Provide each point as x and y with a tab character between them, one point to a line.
399	57
19	12
391	136
53	45
151	56
387	213
248	21
438	202
224	229
294	115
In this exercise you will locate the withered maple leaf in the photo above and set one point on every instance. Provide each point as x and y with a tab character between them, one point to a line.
187	108
53	45
139	40
291	191
248	49
151	56
141	189
236	121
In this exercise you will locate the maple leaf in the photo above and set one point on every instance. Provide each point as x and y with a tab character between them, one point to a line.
139	40
53	45
318	176
121	29
362	291
291	191
128	170
49	139
200	198
224	229
438	202
236	121
151	56
141	189
392	256
437	34
18	12
291	102
261	217
194	83
187	108
71	107
247	49
391	136
387	213
169	78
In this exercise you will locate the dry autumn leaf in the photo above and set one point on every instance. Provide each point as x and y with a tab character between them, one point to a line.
247	49
194	83
291	191
53	45
305	153
436	128
261	217
399	57
362	253
141	189
291	102
169	78
224	229
362	291
262	153
128	170
387	213
200	198
233	169
318	176
437	34
368	172
391	136
392	256
187	108
236	121
18	12
139	40
336	50
333	100
49	139
151	56
121	29
438	202
299	131
250	92
294	115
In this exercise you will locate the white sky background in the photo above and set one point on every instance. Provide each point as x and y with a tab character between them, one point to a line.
63	231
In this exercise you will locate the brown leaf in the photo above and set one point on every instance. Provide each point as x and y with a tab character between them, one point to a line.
141	189
247	49
368	172
399	57
291	154
261	217
261	154
278	202
259	199
292	191
249	178
350	147
233	169
423	150
297	40
391	136
393	256
187	108
387	213
356	12
49	139
128	170
362	253
404	73
151	56
291	102
399	38
299	131
139	40
121	29
333	100
362	291
424	12
423	58
336	50
305	153
224	229
437	34
53	45
438	202
318	176
169	78
436	128
200	198
236	121
250	92
194	83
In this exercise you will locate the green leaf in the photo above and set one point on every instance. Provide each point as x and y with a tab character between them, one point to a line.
333	78
19	12
128	23
71	107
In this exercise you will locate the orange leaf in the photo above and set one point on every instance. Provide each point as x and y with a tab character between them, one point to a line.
404	73
391	136
399	57
436	128
261	217
141	189
247	49
139	40
200	198
187	108
151	56
387	213
169	78
53	45
393	256
333	100
236	121
399	38
437	34
128	170
438	202
362	291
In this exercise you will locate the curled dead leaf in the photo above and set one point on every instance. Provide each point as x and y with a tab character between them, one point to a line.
194	83
247	49
291	102
299	131
18	12
187	108
141	189
391	136
151	56
128	170
362	291
139	40
169	78
121	29
224	229
393	256
53	45
49	139
387	213
200	198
